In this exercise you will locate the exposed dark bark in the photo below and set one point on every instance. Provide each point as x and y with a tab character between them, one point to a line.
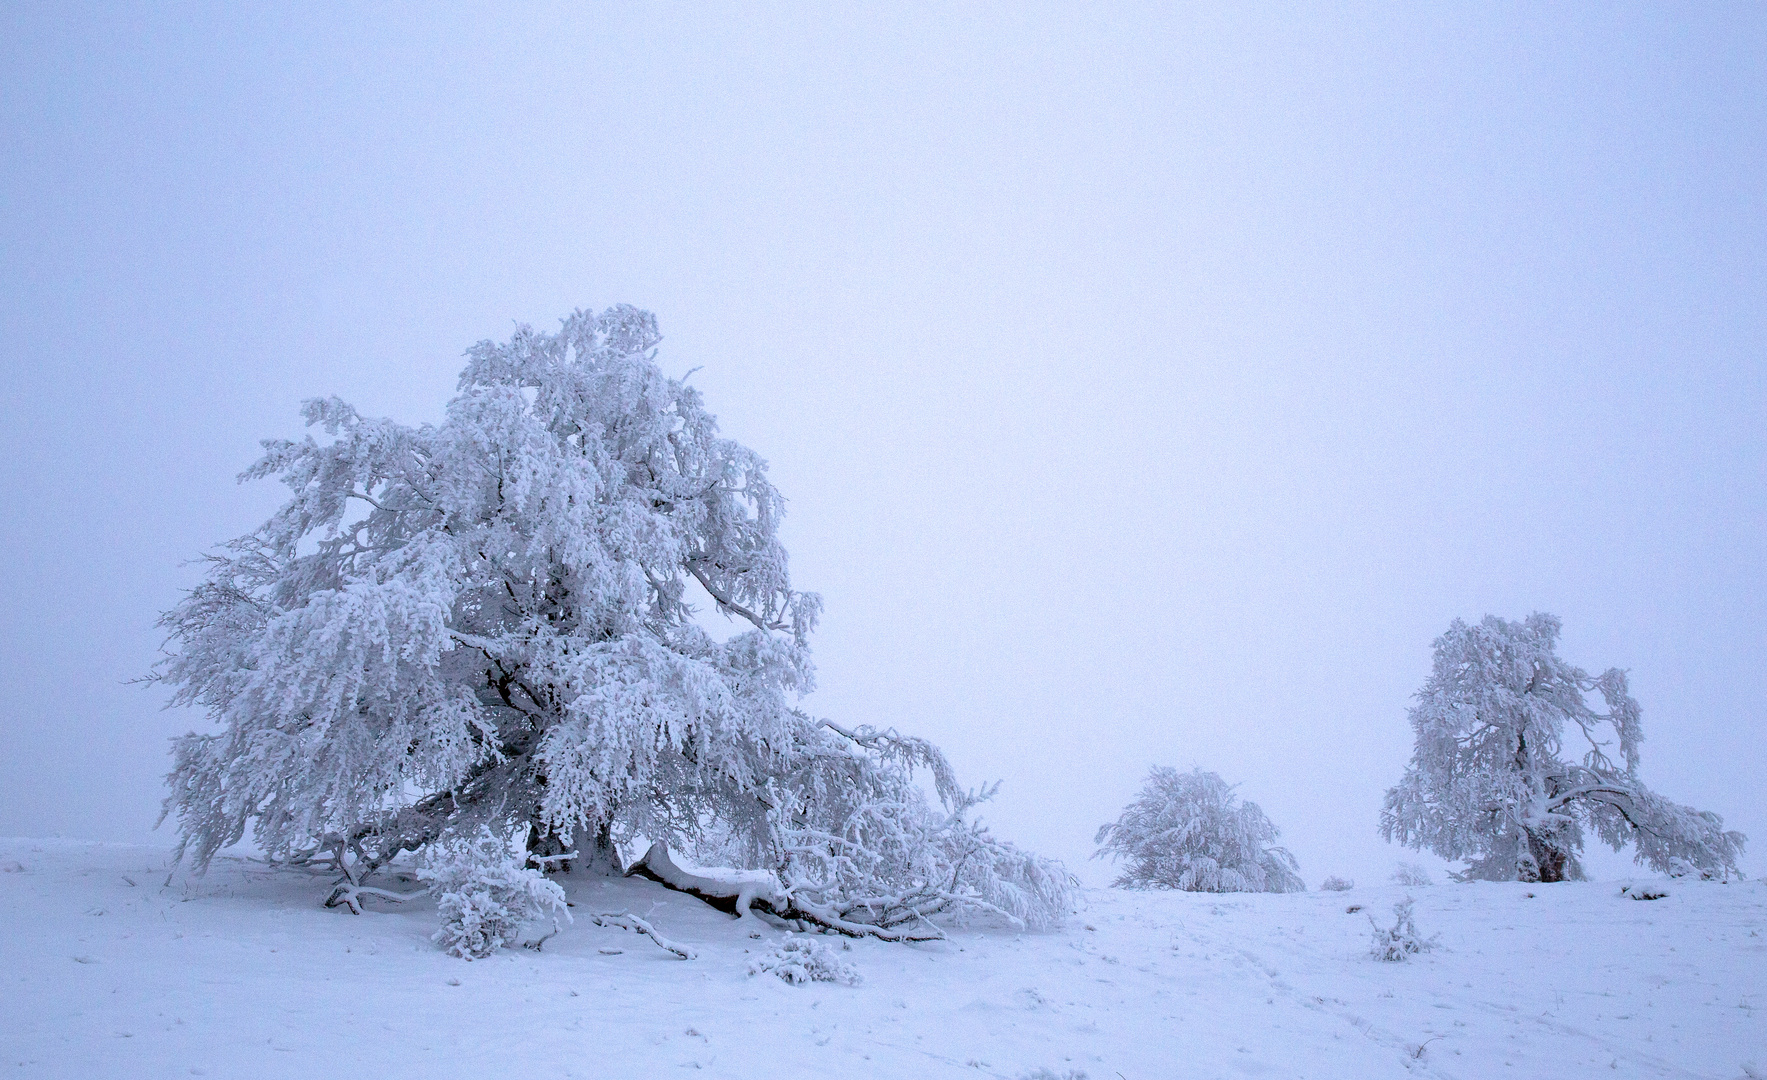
1544	861
726	904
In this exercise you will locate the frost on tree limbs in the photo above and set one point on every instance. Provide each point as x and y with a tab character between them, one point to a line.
491	622
1489	780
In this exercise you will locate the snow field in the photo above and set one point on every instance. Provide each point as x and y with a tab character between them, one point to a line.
105	972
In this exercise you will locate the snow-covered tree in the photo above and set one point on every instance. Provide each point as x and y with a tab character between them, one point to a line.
1188	830
1495	777
491	623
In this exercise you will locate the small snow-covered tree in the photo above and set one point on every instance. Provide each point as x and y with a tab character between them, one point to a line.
1493	781
1189	831
491	623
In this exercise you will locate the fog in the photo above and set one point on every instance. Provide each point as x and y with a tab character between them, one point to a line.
1149	387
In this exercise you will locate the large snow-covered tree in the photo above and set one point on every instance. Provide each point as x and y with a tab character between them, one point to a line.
491	622
1189	831
1512	763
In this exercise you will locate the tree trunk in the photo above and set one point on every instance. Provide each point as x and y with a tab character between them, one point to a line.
599	856
1544	861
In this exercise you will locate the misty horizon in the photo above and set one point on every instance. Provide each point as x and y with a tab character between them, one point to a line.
1147	389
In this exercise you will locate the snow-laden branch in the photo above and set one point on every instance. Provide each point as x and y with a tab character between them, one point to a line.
743	893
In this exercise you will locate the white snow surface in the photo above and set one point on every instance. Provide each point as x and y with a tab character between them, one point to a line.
106	972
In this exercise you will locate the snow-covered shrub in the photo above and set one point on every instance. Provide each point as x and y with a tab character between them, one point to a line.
1681	868
1190	831
1487	784
484	894
1046	1073
1337	884
804	959
1412	875
1400	940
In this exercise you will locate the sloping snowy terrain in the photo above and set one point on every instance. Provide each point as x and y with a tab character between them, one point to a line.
105	972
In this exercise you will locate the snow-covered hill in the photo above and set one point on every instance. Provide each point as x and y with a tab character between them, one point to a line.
106	972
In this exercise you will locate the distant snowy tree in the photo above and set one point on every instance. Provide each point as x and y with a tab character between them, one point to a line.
1489	780
1337	884
1413	875
1189	831
491	623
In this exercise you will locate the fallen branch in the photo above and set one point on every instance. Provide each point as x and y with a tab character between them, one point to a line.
744	893
620	920
347	893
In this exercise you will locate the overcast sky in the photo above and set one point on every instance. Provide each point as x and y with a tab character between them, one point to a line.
1149	386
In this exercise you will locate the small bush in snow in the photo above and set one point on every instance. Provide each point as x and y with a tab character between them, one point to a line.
1337	884
1400	940
1189	831
1051	1074
484	894
1412	875
802	960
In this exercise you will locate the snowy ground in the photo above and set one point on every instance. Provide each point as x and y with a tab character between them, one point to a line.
106	973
